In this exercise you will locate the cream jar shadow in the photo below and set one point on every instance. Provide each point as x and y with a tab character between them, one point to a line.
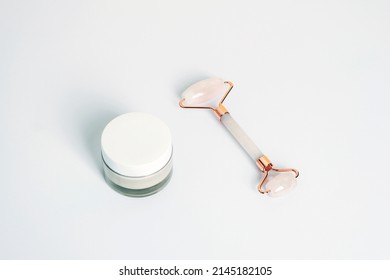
137	154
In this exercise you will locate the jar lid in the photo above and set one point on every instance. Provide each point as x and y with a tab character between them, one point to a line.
136	144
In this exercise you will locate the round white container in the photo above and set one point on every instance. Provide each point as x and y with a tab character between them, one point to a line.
137	154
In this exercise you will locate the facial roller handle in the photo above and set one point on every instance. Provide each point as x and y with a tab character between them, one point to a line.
241	137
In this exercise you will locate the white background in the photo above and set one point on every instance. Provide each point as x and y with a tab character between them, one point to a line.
312	89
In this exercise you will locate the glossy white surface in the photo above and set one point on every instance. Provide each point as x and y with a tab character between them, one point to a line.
311	89
136	144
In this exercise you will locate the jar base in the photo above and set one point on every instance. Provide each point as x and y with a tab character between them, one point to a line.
139	192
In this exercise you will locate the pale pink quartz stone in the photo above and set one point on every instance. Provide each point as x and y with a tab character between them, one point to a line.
205	93
281	184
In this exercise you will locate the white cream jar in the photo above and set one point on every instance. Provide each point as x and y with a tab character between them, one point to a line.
137	154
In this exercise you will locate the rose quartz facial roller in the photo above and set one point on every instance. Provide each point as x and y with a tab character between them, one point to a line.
210	94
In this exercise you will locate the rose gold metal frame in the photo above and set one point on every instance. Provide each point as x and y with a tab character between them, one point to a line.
219	111
264	164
